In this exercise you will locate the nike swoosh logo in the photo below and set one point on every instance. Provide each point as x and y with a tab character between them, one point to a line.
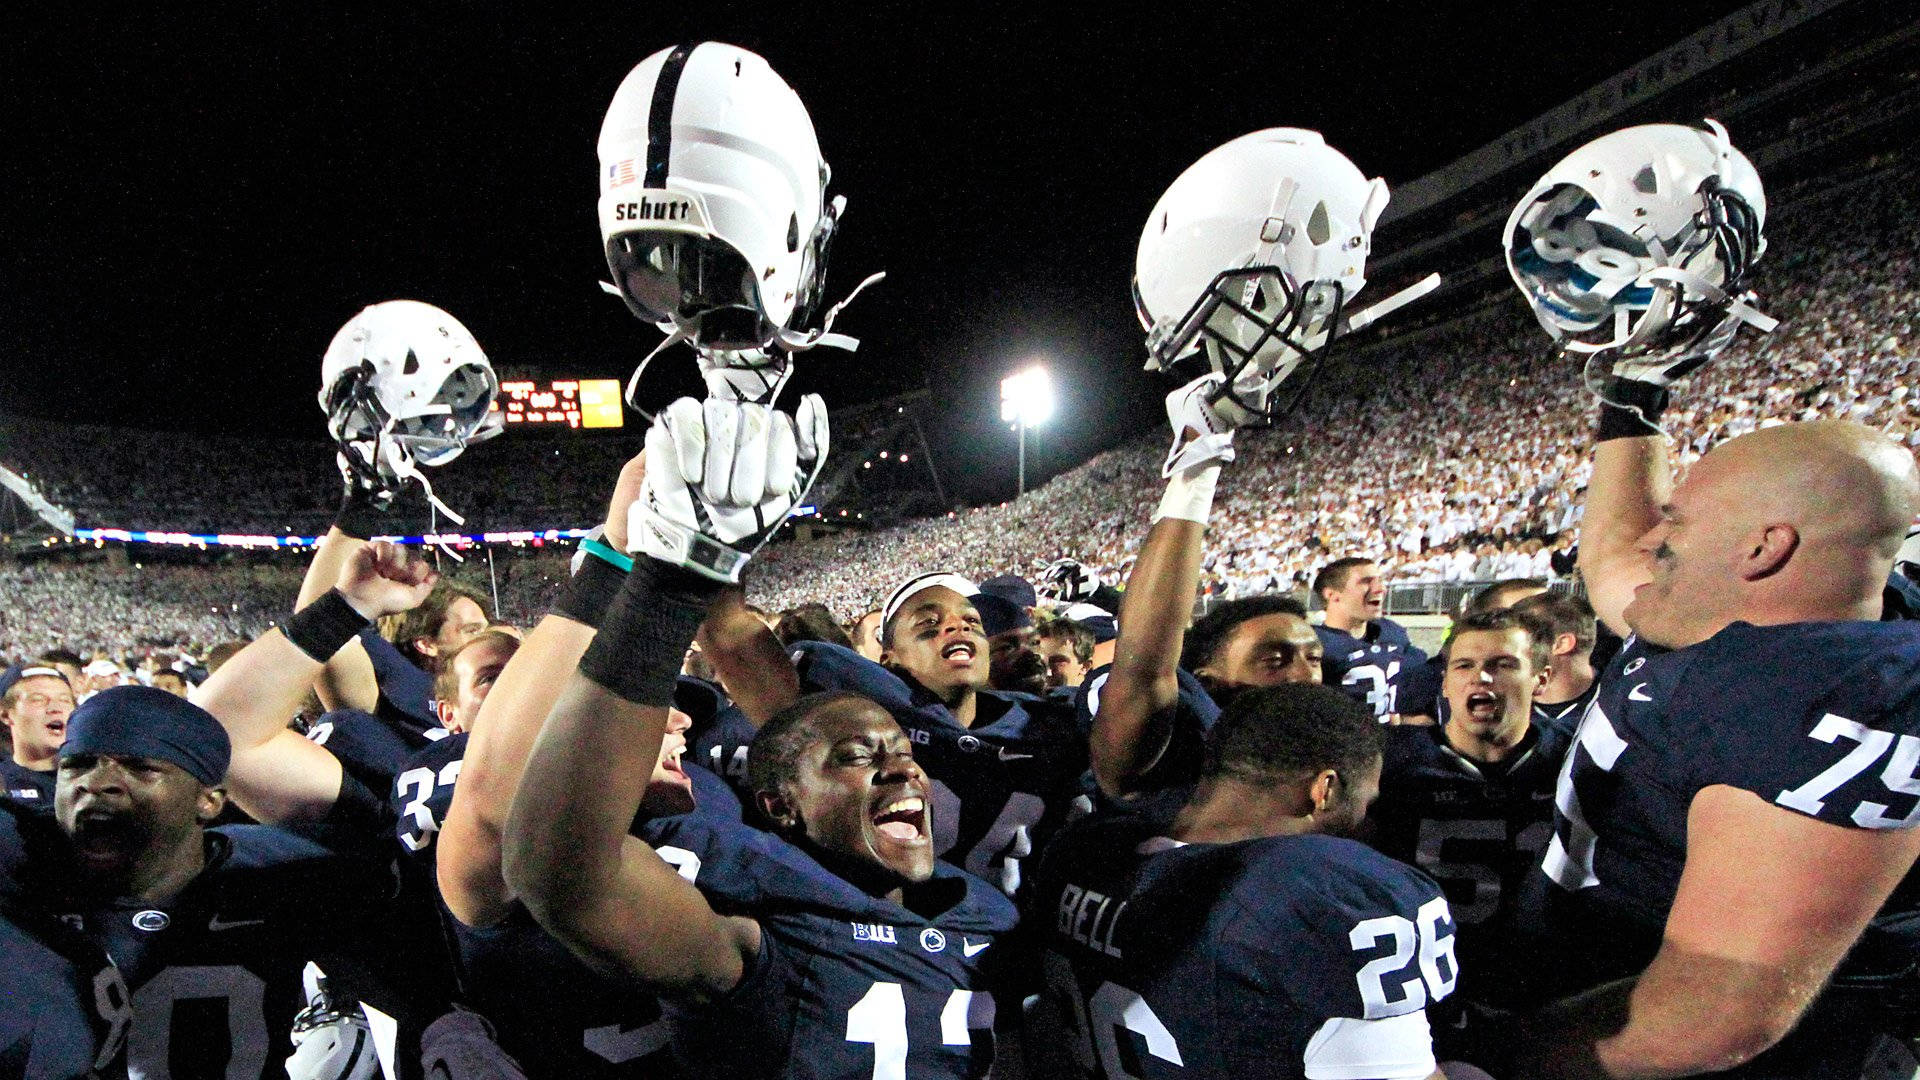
1009	755
970	948
1636	695
217	924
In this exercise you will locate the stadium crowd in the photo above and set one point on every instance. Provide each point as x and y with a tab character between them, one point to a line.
1451	458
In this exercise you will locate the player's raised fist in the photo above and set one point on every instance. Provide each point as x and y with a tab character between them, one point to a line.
1203	422
383	578
721	476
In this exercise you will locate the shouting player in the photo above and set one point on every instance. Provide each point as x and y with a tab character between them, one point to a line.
1367	653
35	707
833	945
1470	801
206	931
1731	875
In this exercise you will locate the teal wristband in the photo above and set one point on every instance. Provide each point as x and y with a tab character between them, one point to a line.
603	551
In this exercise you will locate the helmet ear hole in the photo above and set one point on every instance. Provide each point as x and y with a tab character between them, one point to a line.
1319	228
793	233
411	366
1646	182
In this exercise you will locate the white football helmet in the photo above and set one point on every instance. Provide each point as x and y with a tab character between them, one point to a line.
404	385
1641	240
713	208
1252	256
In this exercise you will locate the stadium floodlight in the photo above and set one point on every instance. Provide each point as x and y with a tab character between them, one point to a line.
1026	400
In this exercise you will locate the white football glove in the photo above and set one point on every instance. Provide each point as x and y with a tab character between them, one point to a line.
1190	411
721	477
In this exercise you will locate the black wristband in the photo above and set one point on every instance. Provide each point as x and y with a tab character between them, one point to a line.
587	594
1630	409
358	517
643	638
324	627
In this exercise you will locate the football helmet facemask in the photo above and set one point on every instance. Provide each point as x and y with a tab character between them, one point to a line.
1252	257
713	208
404	385
1640	242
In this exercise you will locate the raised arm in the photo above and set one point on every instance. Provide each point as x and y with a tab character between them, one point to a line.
1134	721
703	510
469	859
276	774
1632	475
745	654
347	680
1632	479
567	853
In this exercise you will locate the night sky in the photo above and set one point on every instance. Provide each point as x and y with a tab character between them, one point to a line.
194	201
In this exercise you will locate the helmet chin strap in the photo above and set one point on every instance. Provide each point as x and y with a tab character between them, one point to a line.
675	335
759	357
798	342
396	459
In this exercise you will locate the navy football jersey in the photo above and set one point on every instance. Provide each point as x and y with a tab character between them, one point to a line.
1375	668
372	748
212	977
999	787
422	792
31	787
1822	719
844	984
1422	688
49	1028
720	734
1232	960
1194	712
1476	828
406	692
62	1002
551	1012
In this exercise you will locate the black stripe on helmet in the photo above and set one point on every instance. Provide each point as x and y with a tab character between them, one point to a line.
660	116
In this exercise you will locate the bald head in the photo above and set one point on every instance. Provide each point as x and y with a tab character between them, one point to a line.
1793	523
1838	482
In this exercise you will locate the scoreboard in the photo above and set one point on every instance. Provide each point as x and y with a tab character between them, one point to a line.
574	403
